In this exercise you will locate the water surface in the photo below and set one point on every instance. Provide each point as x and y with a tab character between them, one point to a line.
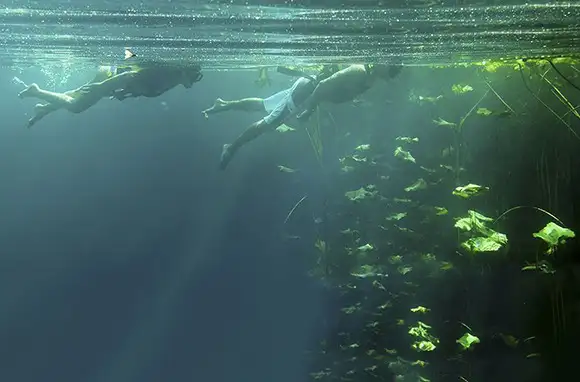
235	36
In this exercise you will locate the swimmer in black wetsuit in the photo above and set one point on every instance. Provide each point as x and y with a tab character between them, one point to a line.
115	82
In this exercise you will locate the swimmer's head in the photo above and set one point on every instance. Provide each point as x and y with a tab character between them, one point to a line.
191	75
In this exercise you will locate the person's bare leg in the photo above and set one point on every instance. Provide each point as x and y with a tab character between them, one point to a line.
41	111
254	131
108	86
33	90
313	100
245	104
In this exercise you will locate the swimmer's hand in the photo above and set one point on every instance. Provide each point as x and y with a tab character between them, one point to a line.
88	88
121	94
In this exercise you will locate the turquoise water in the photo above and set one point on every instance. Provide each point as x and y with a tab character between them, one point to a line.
235	36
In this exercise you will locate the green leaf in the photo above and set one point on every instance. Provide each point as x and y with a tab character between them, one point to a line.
484	111
554	235
353	159
481	244
460	89
366	271
404	270
283	128
420	309
484	238
407	139
365	248
404	155
467	340
424	346
360	194
286	169
441	122
469	190
363	148
419	184
473	222
398	216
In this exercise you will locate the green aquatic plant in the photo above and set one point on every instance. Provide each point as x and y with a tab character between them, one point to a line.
484	239
283	128
352	159
461	89
542	266
469	190
362	148
361	194
531	207
423	340
441	122
315	136
420	309
407	139
404	155
419	184
554	235
286	169
397	216
467	340
421	100
484	244
484	111
367	271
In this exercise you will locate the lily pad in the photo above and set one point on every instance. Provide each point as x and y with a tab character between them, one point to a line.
467	340
554	235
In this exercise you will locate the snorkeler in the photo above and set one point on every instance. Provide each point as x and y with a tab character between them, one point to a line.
280	107
120	83
346	84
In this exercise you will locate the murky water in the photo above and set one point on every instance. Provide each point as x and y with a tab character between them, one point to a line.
222	35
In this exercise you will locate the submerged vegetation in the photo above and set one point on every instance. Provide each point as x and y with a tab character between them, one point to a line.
428	213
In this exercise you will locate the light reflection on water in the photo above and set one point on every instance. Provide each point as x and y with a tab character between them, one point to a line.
243	36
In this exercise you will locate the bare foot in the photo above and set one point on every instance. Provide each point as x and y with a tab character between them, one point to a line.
218	106
226	156
30	91
39	107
